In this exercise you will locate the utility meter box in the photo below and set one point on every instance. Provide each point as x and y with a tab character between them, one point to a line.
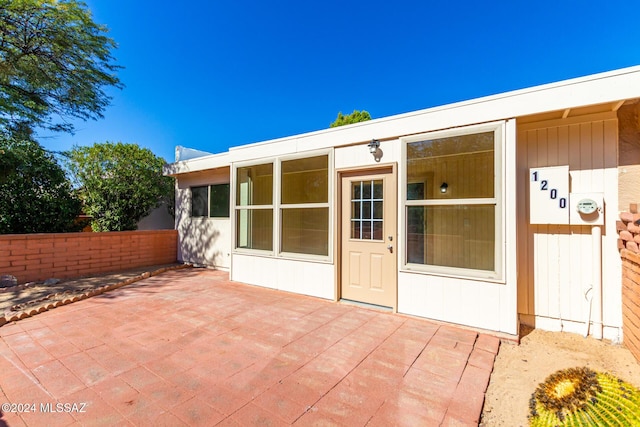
587	208
549	195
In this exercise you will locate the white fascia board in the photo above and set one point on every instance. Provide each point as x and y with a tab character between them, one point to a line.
198	164
590	90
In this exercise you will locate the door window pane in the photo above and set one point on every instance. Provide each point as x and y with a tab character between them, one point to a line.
377	230
367	210
305	231
377	190
366	190
377	210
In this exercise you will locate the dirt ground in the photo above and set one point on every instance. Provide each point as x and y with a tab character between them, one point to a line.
520	368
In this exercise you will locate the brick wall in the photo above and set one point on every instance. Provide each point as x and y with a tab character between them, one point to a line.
32	257
628	243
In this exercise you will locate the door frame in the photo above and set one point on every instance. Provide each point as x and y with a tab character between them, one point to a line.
385	168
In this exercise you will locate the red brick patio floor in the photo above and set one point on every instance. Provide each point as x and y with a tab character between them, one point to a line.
190	347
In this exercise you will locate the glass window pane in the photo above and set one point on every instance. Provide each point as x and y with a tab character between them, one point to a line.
219	201
356	190
366	189
355	210
416	234
377	230
366	210
366	230
255	185
461	236
254	229
356	228
305	180
464	162
305	231
366	214
199	198
377	189
377	210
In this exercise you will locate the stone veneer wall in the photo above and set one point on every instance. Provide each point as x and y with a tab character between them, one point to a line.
629	245
32	257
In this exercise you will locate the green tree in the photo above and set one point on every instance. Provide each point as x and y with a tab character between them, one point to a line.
119	183
355	117
54	63
35	194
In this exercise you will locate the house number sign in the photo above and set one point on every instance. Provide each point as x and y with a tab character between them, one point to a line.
549	195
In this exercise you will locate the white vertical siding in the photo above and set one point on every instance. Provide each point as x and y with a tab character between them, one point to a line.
302	277
555	261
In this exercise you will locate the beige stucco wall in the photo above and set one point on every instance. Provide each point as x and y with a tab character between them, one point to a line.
205	241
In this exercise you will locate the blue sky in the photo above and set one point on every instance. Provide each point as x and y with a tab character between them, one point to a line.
214	74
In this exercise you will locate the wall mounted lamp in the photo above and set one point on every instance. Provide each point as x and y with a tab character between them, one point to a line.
444	187
373	146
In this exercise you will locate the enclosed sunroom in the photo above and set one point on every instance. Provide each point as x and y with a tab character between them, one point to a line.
429	213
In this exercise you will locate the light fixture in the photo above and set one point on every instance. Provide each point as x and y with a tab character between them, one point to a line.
373	146
444	187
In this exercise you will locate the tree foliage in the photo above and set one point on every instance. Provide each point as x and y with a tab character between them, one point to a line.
119	183
54	63
355	117
35	194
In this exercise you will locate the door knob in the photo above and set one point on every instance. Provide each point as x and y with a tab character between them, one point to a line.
390	247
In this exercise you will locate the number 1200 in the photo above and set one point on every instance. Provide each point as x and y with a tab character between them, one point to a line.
553	194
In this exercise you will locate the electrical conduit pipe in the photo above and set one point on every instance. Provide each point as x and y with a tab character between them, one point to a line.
596	244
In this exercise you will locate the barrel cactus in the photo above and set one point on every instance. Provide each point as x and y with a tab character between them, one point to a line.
583	397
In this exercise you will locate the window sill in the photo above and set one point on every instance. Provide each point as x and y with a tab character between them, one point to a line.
317	259
479	275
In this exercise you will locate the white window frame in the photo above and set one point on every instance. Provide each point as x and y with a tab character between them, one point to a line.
235	207
208	216
498	274
328	204
277	205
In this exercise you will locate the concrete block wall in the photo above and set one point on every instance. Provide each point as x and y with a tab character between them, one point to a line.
32	257
628	243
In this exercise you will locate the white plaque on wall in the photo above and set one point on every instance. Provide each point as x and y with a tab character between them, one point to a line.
549	195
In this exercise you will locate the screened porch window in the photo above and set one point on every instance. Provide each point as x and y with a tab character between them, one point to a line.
451	207
304	207
254	207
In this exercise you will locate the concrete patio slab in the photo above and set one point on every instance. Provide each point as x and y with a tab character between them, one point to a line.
190	347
